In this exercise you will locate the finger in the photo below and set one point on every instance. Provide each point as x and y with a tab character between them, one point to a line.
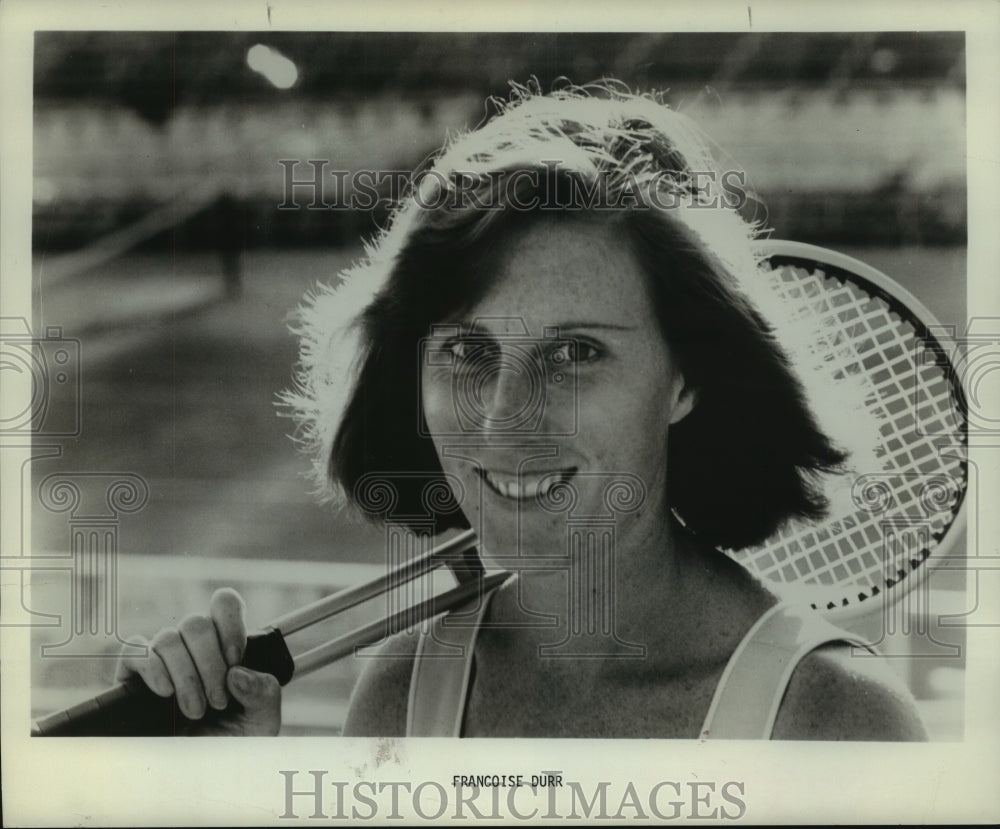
260	696
149	666
186	680
227	609
202	642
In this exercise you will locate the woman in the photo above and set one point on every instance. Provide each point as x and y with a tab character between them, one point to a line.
563	311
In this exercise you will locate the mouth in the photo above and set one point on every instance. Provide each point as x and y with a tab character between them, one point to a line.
525	486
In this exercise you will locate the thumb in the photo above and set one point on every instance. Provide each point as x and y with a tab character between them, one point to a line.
260	696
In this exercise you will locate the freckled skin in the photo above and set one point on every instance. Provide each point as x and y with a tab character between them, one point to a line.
688	604
628	389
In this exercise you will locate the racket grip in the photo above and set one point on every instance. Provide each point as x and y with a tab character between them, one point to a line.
131	709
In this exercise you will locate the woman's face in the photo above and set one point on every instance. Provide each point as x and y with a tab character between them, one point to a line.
558	376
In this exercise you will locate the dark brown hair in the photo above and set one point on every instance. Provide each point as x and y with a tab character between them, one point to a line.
749	455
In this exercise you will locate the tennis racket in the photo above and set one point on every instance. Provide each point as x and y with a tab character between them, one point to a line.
906	513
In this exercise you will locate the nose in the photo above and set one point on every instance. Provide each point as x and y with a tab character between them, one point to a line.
510	393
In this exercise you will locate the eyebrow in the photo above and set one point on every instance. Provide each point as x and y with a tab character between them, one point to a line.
465	326
602	326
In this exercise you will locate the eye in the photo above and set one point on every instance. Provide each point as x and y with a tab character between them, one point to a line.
468	353
574	352
459	349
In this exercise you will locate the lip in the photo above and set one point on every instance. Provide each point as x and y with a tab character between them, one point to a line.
524	486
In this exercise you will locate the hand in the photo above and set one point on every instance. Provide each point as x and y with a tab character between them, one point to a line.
199	660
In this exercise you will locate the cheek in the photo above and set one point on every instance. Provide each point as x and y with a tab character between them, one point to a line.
625	428
438	406
627	440
438	421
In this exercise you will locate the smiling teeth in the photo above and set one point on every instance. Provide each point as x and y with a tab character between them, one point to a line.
510	488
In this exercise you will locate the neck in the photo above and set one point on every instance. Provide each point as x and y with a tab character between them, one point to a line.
644	602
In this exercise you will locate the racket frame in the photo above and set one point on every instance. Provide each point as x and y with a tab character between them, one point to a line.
813	258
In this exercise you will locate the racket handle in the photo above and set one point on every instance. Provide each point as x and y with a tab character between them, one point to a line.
131	709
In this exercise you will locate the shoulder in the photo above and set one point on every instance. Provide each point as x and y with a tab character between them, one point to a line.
834	694
379	700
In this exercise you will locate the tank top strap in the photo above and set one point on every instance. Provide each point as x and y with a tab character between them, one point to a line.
442	667
746	701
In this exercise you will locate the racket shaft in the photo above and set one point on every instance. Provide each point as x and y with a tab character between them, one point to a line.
342	646
329	606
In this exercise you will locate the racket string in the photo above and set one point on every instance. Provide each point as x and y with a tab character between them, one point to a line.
900	509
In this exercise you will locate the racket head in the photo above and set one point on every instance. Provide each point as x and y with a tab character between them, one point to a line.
906	514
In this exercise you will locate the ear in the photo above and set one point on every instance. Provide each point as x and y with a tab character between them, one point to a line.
684	399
